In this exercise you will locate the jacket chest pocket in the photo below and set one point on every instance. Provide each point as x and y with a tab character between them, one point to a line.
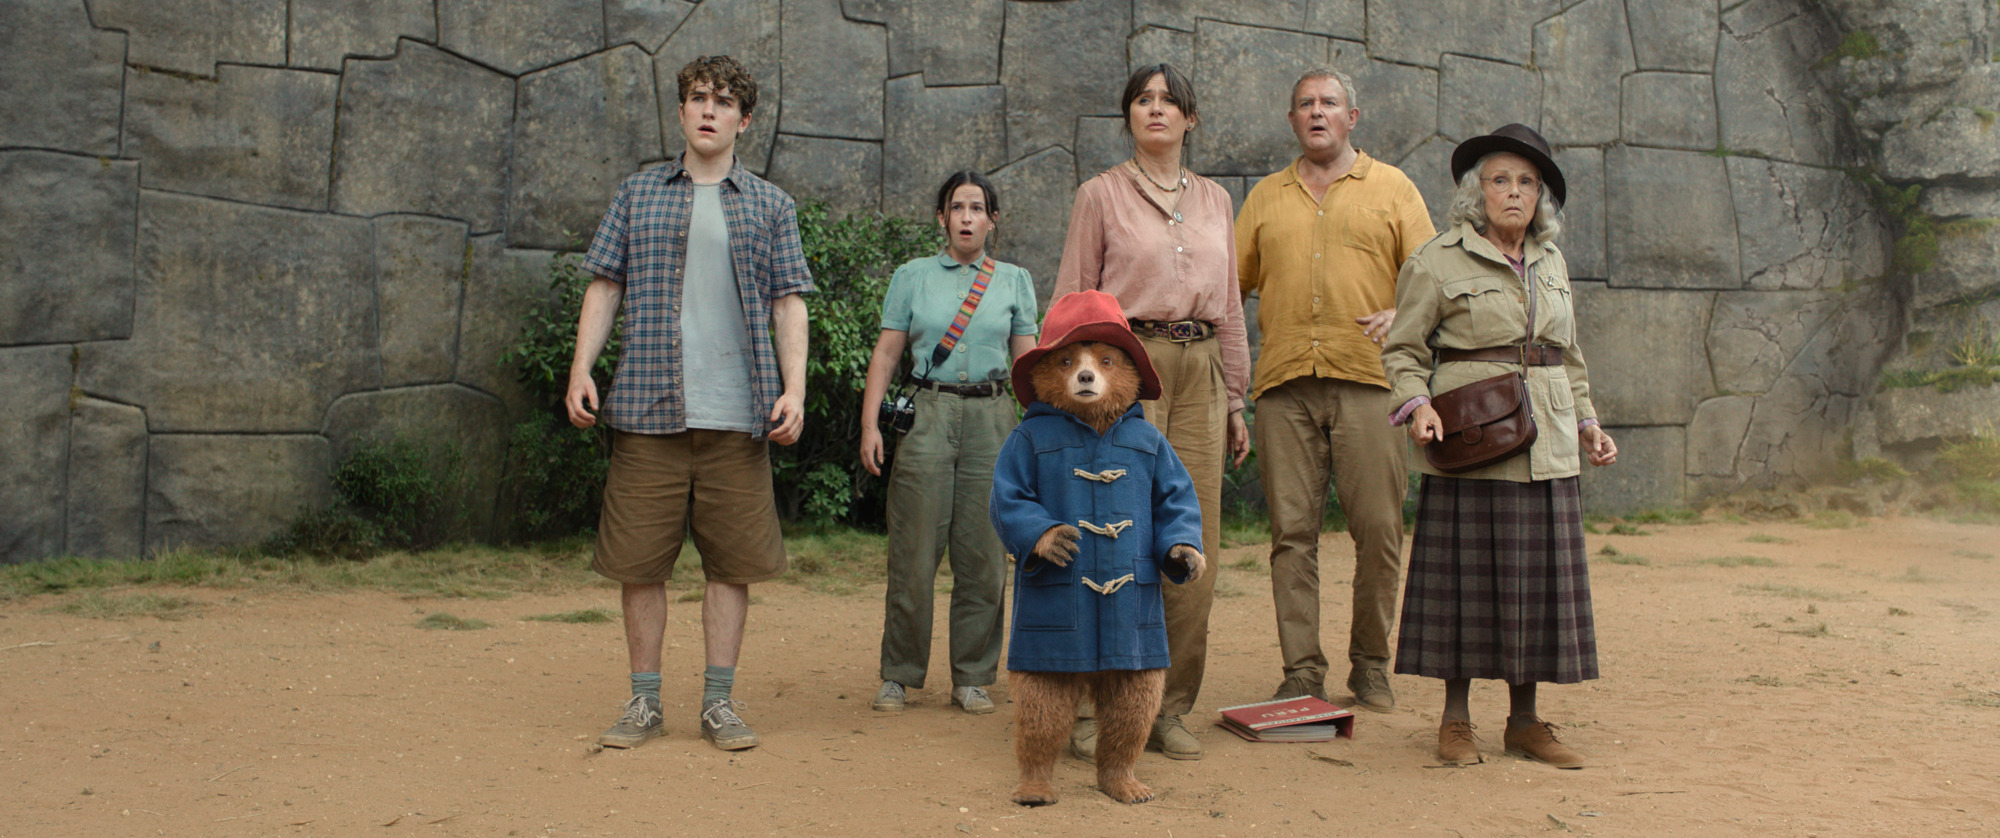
1484	310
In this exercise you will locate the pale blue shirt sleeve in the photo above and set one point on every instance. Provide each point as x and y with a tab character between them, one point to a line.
1025	308
896	303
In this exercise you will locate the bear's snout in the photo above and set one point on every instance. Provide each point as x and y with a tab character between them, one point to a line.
1086	376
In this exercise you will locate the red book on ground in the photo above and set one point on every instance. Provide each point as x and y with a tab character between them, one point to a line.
1302	719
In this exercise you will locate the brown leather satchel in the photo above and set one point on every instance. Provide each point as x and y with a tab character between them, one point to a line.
1489	420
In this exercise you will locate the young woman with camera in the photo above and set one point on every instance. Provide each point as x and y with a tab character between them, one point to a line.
964	316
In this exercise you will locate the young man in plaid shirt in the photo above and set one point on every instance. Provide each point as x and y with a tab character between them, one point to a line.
706	259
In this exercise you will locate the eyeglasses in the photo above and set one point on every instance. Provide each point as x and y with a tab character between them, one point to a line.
1504	184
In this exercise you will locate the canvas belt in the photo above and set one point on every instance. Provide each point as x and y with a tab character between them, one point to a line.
1537	356
1178	331
975	391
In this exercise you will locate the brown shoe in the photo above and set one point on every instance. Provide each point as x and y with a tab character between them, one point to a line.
1457	744
1170	736
1371	689
1300	684
1538	741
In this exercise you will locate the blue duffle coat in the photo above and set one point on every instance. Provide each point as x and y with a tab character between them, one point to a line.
1132	499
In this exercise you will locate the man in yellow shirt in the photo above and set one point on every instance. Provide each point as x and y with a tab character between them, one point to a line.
1320	243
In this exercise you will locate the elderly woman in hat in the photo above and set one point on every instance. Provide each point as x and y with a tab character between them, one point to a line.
1498	585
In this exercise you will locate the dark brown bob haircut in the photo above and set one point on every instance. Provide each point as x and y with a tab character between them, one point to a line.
968	177
720	72
1179	89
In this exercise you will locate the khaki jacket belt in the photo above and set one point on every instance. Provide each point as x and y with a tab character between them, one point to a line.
1538	356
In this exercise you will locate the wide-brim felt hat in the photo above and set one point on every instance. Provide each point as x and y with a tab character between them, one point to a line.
1518	139
1082	317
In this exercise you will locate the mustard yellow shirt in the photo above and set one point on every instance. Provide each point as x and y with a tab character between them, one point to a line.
1318	264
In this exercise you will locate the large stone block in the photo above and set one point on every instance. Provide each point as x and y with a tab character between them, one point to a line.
845	63
1844	356
950	43
1754	335
247	318
1338	18
255	134
1925	416
1060	61
66	247
745	29
205	491
1476	96
1159	45
424	132
1101	142
1421	33
1945	201
472	423
325	32
1767	98
1673	34
1429	167
1398	102
1669	219
1248	72
846	174
1967	264
1804	227
1715	443
1034	240
1184	14
503	285
1959	141
190	36
579	129
1645	351
871	11
1582	239
934	131
1669	110
646	23
1651	472
422	265
1582	53
520	36
1796	433
33	471
61	79
106	514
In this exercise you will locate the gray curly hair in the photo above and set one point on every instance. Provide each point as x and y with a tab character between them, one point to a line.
1468	205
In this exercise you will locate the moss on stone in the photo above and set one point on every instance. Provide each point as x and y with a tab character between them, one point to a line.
1859	44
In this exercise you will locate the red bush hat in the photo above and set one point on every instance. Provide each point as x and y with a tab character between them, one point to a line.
1083	317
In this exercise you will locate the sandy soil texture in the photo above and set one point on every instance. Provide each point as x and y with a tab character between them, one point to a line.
1759	679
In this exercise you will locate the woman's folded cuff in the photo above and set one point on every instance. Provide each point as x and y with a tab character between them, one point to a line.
1402	414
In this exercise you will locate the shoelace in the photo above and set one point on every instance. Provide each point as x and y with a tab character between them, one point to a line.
638	712
973	693
723	713
1462	732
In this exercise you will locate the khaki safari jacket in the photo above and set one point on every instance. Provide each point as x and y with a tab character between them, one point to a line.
1458	292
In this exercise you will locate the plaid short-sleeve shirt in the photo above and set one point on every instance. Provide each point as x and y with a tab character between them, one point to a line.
642	243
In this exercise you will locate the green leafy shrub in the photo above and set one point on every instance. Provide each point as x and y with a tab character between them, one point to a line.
394	494
555	470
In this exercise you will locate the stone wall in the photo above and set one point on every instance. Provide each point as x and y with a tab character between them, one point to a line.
236	236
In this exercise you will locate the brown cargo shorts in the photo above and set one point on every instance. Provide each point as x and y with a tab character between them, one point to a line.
663	488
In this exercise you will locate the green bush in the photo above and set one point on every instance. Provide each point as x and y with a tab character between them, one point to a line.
555	471
394	494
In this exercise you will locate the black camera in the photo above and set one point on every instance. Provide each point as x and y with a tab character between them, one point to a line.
898	411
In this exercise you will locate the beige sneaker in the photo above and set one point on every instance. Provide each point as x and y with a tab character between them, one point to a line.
1371	689
1171	737
889	699
1083	740
974	699
640	722
1299	684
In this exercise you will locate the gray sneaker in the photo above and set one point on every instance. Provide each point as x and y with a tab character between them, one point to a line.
723	728
640	722
973	699
1371	689
889	699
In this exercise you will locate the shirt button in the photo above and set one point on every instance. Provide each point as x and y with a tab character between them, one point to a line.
1315	343
1322	212
1315	299
1177	248
1315	256
961	376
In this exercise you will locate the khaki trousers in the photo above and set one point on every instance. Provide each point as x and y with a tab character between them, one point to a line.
1193	413
1311	429
938	491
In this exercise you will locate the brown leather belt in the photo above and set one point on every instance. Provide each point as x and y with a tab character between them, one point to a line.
974	391
1178	331
1538	356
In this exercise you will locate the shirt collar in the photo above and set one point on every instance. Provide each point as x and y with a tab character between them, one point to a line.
677	167
945	261
1363	164
1477	244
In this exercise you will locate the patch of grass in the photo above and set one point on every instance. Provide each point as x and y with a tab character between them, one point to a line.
441	621
1763	681
1872	468
1761	538
1948	380
581	616
1894	611
461	571
1738	561
698	594
1834	519
1250	562
1980	698
106	607
1625	528
1243	530
1665	516
1818	630
833	559
1977	459
1971	554
1916	575
1792	592
1611	554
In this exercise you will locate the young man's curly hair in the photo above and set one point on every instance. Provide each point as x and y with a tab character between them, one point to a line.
720	71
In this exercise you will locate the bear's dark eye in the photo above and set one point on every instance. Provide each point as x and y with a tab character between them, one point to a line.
1067	361
1109	361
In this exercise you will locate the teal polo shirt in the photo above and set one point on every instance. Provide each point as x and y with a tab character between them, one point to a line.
924	297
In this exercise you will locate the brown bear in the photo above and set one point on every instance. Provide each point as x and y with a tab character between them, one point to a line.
1097	509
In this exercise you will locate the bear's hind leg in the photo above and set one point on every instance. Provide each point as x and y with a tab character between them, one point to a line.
1127	701
1044	707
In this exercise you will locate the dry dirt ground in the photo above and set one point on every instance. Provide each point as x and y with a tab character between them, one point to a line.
1845	686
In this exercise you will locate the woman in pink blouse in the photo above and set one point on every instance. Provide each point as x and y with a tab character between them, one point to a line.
1161	239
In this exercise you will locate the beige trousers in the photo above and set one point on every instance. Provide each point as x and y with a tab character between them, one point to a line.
1310	430
1193	413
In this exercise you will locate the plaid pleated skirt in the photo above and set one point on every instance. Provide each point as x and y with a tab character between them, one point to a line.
1499	585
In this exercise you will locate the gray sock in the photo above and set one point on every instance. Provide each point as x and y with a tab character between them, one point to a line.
716	682
647	684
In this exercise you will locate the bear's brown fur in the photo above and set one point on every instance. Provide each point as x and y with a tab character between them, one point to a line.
1095	382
